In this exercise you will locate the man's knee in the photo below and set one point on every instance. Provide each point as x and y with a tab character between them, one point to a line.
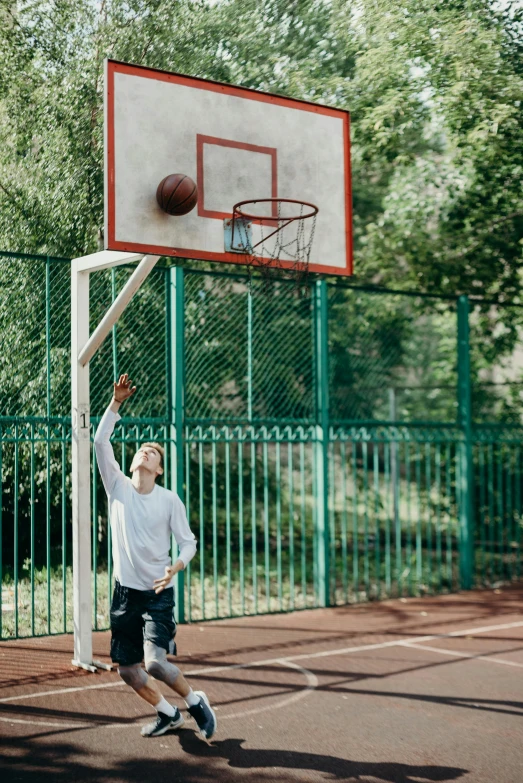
157	664
133	675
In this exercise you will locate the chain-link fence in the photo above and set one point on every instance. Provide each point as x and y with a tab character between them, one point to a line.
250	355
390	466
392	357
35	330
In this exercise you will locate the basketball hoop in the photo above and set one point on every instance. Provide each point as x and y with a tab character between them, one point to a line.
278	234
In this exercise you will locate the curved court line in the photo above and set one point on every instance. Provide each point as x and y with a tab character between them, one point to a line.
289	658
312	683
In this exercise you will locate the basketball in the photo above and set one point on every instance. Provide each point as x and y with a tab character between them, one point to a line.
177	194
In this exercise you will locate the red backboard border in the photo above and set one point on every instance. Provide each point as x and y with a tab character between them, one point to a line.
111	243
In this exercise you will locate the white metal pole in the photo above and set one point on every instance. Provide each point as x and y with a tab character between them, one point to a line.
90	346
81	472
83	349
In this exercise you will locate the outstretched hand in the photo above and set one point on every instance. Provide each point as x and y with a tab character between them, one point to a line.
123	389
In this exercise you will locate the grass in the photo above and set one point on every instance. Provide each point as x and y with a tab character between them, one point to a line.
49	608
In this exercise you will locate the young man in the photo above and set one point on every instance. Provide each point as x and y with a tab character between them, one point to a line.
143	514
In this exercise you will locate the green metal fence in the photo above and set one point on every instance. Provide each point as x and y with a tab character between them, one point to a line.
335	446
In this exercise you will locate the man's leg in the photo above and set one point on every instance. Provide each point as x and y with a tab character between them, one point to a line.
197	702
160	668
127	650
141	683
159	631
169	717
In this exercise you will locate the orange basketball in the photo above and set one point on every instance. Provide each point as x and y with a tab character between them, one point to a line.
177	194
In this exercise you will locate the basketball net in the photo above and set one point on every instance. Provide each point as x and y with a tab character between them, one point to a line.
279	241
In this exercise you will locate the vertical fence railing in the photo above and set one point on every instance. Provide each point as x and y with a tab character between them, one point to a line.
498	475
254	518
323	446
390	550
289	512
177	368
466	470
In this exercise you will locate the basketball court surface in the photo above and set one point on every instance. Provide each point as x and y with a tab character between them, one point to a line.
418	689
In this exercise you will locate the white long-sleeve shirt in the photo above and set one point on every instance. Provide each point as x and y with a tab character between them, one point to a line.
141	525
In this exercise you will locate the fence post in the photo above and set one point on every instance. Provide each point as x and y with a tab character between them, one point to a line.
48	439
176	414
322	440
466	475
249	354
48	334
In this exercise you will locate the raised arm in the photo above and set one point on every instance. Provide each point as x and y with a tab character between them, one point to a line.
108	466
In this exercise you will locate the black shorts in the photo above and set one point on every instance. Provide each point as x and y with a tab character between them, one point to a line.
138	616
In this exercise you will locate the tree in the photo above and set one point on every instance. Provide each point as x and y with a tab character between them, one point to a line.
434	90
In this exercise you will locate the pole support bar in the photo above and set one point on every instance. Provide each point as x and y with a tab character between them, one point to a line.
143	269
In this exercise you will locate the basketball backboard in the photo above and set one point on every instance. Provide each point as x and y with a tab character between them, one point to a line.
236	144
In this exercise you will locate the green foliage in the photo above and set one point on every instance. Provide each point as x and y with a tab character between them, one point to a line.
383	344
454	217
434	91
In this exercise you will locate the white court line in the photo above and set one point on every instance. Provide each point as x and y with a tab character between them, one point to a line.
312	683
485	629
301	657
458	654
54	724
41	694
361	648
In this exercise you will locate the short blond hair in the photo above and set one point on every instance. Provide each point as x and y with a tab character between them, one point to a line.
158	448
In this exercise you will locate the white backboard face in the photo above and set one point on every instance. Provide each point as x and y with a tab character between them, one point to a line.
236	144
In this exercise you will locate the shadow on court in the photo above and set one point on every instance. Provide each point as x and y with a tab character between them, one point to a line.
38	761
34	661
452	610
377	704
341	769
